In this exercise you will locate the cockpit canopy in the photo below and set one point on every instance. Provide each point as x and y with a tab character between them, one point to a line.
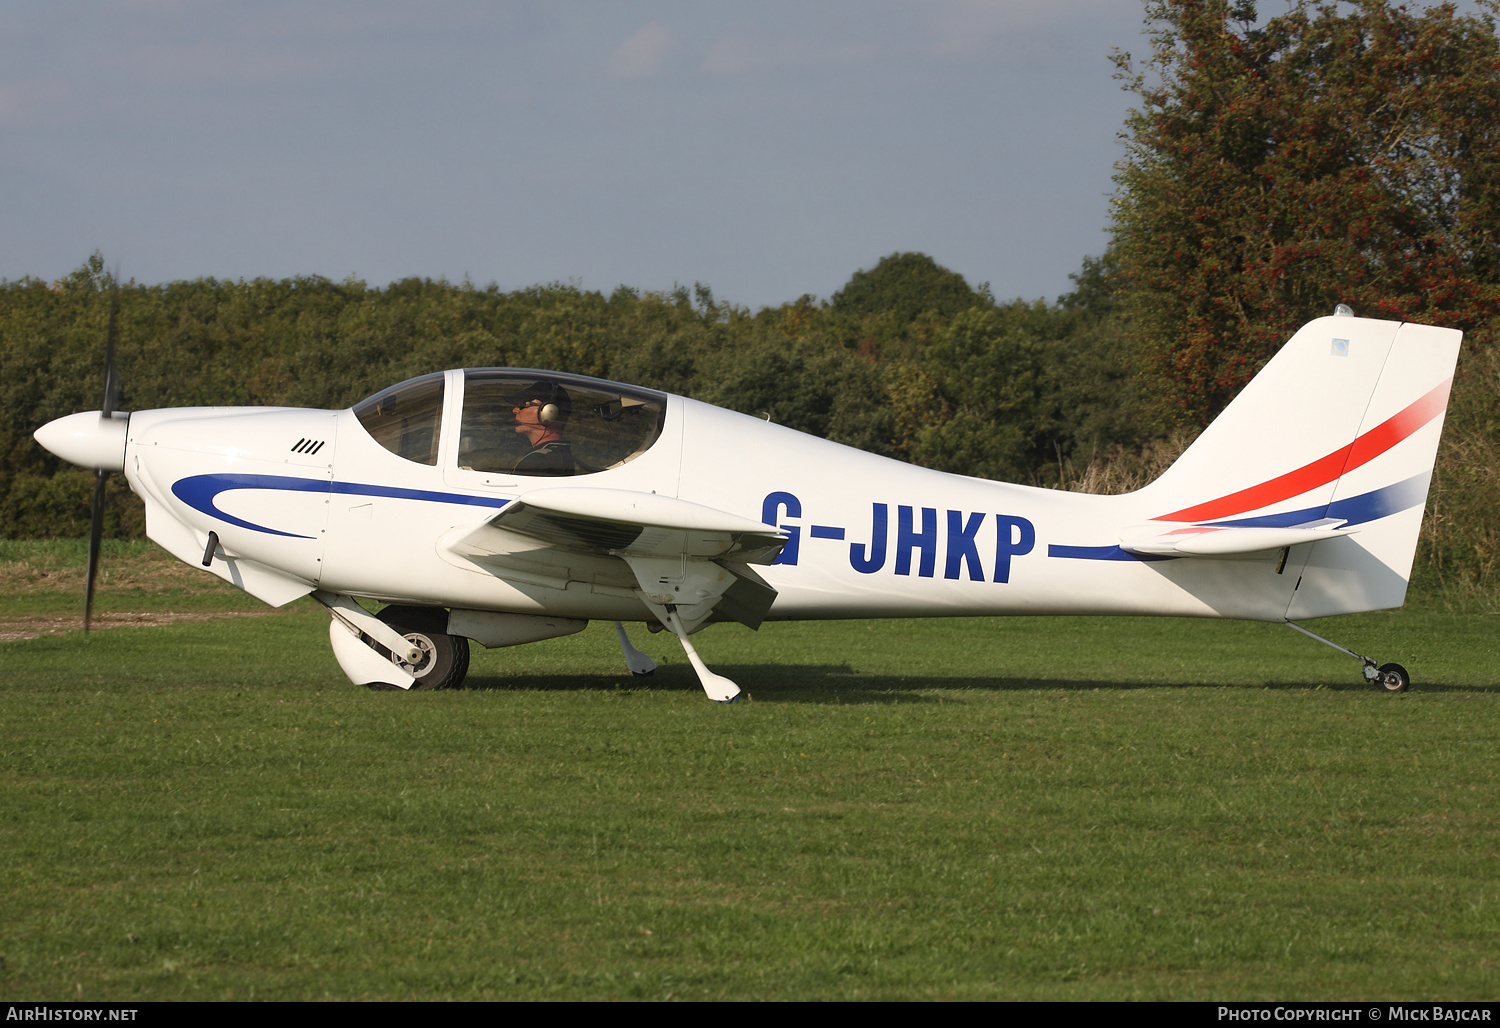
591	425
406	417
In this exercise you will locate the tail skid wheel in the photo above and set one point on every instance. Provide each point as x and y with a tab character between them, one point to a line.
1393	678
1390	677
445	658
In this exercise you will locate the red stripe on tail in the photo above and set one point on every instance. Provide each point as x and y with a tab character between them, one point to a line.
1364	449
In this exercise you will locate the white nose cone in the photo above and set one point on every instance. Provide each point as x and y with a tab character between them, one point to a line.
87	439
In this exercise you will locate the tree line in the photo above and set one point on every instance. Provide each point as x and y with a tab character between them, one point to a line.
1339	152
907	361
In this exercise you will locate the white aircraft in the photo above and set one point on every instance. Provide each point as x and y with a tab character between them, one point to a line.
505	506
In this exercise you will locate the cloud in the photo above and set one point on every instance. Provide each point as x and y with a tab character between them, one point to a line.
644	54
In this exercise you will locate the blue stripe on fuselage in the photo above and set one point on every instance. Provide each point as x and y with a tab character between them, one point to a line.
200	492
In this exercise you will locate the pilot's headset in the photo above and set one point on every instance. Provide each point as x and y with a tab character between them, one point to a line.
550	411
556	406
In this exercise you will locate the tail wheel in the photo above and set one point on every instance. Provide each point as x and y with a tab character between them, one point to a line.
1393	678
445	658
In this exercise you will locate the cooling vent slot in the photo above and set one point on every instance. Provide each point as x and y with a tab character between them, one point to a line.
308	446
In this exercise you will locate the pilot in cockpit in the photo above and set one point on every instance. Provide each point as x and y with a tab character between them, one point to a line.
541	410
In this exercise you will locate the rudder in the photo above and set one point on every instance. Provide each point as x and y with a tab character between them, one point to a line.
1382	489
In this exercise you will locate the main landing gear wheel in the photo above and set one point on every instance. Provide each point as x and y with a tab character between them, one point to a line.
445	658
1393	678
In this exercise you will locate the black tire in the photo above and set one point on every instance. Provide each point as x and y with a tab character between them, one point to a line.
1393	678
445	658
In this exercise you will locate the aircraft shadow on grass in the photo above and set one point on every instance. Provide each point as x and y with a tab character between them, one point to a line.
834	684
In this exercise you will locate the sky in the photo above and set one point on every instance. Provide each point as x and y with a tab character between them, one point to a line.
767	150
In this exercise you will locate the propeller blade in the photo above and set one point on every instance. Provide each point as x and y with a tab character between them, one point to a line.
96	532
106	408
111	375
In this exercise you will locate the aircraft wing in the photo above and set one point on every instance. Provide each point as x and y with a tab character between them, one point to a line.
1221	540
644	524
669	552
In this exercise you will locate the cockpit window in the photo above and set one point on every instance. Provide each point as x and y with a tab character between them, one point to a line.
545	423
405	418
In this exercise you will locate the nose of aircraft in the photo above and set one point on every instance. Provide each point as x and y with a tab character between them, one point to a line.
87	439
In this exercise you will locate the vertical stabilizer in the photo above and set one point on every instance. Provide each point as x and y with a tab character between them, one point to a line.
1271	449
1337	434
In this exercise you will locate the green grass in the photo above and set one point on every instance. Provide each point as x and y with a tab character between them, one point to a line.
1064	808
45	578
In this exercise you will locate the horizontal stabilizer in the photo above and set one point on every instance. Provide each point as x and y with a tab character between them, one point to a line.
1226	540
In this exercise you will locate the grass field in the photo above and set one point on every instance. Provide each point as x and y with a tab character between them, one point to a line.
1023	808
